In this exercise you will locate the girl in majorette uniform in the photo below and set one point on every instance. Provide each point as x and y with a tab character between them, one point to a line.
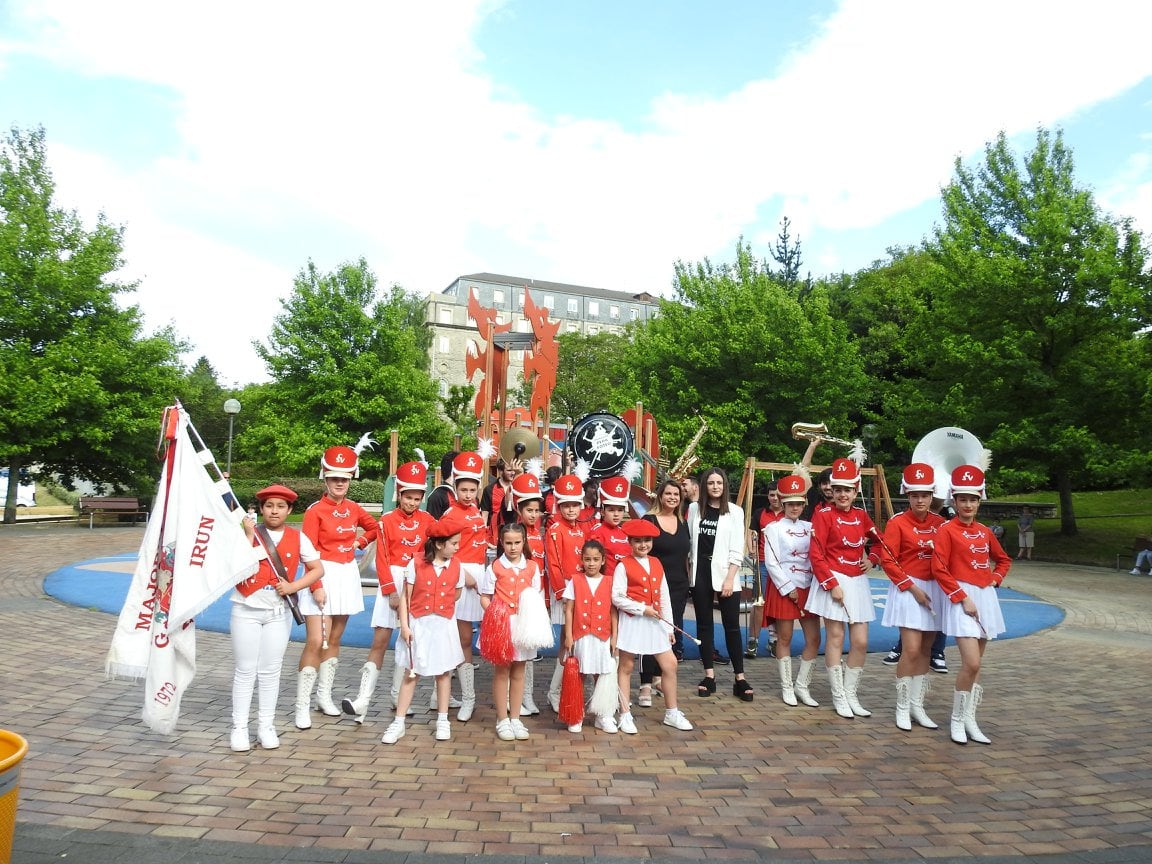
260	626
528	499
403	531
467	469
508	579
590	622
969	565
563	540
331	524
429	644
613	495
842	595
640	592
910	537
786	542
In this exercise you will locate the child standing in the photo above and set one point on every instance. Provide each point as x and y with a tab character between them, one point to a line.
467	469
590	622
260	628
614	495
429	644
640	592
562	544
528	499
969	565
507	579
403	531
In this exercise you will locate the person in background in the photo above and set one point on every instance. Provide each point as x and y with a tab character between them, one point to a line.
440	498
1027	536
762	517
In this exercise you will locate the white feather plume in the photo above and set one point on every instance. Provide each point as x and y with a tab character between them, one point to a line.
420	455
858	454
583	470
985	460
485	449
632	469
535	467
802	470
366	442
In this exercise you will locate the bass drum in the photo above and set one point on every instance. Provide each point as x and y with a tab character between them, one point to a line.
603	441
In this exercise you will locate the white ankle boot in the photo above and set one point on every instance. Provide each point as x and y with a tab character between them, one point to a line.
467	675
839	697
787	689
904	704
917	691
974	733
851	686
803	679
358	707
959	709
305	681
327	677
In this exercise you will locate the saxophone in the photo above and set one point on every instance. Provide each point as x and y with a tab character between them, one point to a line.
688	460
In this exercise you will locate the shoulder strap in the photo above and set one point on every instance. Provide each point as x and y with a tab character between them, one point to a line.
273	554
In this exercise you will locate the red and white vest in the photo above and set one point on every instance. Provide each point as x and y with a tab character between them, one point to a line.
289	549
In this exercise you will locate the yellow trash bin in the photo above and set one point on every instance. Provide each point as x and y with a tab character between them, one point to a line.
12	750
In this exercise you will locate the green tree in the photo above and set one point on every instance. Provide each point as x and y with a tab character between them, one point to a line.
589	376
202	396
1038	316
742	350
82	388
344	361
458	408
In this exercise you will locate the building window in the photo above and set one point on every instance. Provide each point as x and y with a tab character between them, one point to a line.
443	344
593	309
614	313
573	306
446	315
549	302
634	313
520	300
498	296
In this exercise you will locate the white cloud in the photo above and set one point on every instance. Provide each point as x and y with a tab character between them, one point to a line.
370	128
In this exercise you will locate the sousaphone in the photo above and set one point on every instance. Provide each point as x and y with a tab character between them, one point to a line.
946	449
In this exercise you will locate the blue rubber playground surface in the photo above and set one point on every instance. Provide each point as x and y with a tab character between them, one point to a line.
102	584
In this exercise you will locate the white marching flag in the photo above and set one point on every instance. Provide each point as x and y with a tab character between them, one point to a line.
194	550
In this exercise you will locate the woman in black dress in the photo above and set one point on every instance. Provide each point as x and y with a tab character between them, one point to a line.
671	549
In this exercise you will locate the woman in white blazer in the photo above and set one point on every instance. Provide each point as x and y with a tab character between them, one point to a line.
717	529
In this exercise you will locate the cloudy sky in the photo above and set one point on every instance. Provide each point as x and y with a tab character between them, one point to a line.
586	142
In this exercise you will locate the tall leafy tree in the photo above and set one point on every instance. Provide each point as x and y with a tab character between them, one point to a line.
82	386
589	376
203	397
738	347
345	359
1038	317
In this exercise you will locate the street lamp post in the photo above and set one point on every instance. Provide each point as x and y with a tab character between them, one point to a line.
231	408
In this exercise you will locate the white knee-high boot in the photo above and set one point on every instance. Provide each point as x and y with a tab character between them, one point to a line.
917	692
467	675
904	704
305	681
787	689
803	679
851	686
839	697
528	703
959	709
554	687
974	733
358	707
327	677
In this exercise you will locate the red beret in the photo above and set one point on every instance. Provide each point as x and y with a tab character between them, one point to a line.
449	525
640	529
276	491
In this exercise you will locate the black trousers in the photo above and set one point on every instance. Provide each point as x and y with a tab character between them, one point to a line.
702	599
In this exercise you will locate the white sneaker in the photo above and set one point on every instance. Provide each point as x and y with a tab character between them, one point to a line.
239	740
394	732
267	737
519	730
675	718
576	728
1136	571
607	724
443	730
627	725
504	730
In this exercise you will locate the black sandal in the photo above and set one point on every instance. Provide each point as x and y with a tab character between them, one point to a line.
706	687
743	690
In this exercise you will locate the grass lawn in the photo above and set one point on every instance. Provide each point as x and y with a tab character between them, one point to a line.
1107	522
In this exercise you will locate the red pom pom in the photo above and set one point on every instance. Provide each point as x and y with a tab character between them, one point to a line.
496	633
571	693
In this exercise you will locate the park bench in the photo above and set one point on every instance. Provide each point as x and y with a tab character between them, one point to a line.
94	505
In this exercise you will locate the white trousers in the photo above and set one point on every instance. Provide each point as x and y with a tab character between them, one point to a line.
259	640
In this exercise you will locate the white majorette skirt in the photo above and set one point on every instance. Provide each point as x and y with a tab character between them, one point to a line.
857	600
383	615
342	585
902	610
557	608
468	607
594	655
639	635
954	622
436	643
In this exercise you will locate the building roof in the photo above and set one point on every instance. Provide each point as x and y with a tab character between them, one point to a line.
542	285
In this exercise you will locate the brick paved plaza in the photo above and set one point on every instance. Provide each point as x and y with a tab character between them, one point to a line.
1069	773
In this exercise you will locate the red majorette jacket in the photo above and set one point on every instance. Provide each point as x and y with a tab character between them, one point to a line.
537	545
967	553
332	529
434	589
510	582
615	542
839	541
289	549
474	538
591	610
912	541
401	540
562	545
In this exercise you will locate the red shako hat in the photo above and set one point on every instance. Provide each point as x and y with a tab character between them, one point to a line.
845	472
615	490
411	475
968	480
792	488
525	487
568	488
918	477
340	461
467	466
